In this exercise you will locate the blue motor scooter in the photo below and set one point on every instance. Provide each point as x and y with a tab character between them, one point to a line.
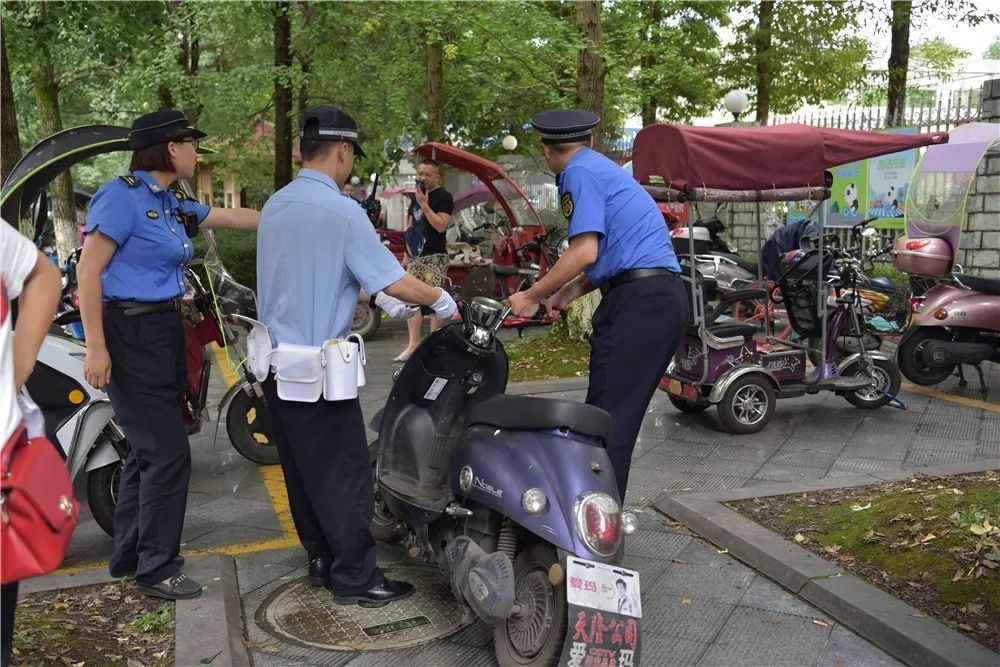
497	490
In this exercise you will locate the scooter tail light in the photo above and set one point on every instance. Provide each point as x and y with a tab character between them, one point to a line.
917	244
916	303
598	522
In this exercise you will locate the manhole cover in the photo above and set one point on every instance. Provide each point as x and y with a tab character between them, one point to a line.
307	615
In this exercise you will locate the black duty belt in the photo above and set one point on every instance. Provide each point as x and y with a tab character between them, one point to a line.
144	307
631	276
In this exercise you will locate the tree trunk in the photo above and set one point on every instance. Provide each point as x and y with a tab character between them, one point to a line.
61	188
164	96
764	59
10	141
899	62
435	91
590	65
654	14
305	58
590	96
282	96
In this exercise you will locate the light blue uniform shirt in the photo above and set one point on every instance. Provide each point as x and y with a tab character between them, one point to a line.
315	249
153	247
599	196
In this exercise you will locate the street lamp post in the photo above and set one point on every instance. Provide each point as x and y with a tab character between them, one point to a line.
736	102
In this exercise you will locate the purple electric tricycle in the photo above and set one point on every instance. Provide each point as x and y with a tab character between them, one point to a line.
732	364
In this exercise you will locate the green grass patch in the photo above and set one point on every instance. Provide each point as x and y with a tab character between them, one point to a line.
547	357
934	542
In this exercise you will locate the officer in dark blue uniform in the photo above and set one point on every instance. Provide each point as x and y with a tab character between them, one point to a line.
131	276
618	243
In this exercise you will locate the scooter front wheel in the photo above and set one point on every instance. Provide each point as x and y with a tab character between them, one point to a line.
885	379
245	429
535	637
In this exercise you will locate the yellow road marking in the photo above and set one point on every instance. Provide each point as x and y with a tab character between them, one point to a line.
274	482
951	398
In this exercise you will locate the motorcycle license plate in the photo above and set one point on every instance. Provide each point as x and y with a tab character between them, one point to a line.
676	388
605	614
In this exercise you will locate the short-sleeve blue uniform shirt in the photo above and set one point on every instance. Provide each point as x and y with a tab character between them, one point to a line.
599	196
153	247
315	249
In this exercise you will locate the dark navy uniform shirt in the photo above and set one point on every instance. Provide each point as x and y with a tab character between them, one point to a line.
597	195
153	247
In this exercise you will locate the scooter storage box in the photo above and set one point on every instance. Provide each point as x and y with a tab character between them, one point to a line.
930	257
682	245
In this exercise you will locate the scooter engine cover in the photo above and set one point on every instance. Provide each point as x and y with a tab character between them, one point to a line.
489	588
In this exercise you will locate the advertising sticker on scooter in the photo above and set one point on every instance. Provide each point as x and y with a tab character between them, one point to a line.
605	611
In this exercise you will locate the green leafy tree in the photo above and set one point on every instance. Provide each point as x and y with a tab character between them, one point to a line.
992	52
792	53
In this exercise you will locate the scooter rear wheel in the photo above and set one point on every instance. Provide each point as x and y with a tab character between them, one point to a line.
910	356
535	638
102	494
748	404
690	407
383	525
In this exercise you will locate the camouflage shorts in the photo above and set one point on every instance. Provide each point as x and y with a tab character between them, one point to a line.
430	269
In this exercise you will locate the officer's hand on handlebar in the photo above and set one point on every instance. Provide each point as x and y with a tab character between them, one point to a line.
523	305
395	308
445	307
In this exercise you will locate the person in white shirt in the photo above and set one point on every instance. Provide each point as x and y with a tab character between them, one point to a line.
27	275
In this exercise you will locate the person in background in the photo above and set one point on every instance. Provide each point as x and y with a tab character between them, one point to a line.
28	276
428	214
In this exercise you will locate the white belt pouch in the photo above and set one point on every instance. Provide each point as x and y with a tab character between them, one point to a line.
344	361
298	372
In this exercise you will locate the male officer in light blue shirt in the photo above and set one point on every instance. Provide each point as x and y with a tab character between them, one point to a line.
315	249
618	243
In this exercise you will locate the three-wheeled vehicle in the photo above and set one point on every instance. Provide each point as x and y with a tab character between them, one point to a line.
721	362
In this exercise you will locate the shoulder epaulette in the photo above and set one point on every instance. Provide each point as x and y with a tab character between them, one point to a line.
180	194
132	181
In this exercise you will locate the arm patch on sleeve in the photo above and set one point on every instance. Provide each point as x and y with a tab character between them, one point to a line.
566	201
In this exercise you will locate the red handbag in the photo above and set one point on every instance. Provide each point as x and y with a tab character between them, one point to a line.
37	509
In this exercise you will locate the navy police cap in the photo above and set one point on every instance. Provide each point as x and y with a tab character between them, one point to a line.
161	127
332	124
560	126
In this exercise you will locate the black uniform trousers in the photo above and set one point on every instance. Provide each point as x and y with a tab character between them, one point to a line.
147	383
637	328
324	457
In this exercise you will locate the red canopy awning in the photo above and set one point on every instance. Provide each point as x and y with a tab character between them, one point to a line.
758	158
464	160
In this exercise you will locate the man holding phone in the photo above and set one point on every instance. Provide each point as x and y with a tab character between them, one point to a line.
427	221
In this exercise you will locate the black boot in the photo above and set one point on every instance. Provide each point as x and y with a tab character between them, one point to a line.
319	570
378	596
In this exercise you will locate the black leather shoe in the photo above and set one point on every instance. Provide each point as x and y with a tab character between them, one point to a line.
178	561
319	571
178	587
379	596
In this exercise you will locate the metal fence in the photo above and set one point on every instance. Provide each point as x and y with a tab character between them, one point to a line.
958	108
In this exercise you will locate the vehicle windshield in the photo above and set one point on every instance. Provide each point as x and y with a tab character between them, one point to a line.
227	296
524	215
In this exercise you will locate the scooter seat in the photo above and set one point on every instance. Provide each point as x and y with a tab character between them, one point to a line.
743	263
727	330
527	412
984	285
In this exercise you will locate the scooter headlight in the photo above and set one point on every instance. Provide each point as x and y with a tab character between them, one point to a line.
534	501
598	522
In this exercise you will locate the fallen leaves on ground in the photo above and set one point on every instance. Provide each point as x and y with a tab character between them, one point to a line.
932	541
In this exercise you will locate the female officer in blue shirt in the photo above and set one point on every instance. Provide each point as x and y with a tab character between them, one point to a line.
618	243
131	277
